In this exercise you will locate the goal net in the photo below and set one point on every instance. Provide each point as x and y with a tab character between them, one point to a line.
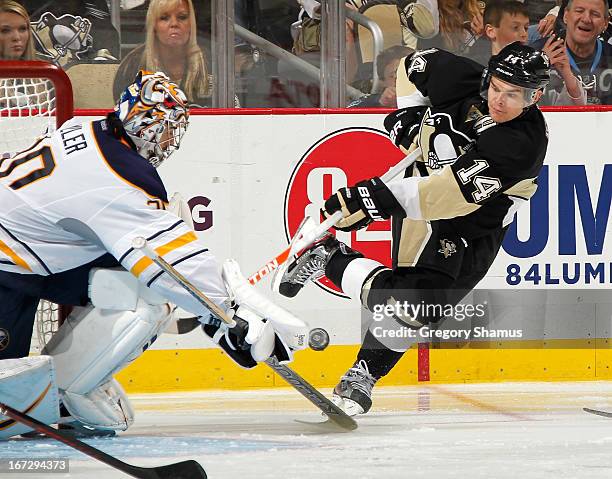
35	99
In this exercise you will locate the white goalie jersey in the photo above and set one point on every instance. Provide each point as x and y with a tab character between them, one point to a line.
81	193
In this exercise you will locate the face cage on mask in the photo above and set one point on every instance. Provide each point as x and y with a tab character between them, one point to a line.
161	149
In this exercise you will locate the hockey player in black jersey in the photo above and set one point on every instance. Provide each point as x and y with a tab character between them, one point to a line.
483	142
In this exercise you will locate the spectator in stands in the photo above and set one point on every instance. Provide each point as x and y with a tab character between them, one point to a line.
504	22
452	25
553	21
170	46
507	21
15	37
589	57
387	63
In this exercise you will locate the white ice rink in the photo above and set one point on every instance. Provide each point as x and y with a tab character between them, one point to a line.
513	430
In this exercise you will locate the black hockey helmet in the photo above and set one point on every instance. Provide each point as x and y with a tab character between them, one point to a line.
519	65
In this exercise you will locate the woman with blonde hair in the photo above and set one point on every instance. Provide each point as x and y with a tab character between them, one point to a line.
171	47
15	35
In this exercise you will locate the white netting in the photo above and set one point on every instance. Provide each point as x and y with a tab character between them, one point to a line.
47	322
27	111
34	98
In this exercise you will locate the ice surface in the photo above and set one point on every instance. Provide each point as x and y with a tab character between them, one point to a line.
512	430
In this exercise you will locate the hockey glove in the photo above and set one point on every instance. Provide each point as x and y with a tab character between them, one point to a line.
252	340
403	125
361	204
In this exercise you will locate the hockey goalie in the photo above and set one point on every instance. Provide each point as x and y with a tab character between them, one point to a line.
72	204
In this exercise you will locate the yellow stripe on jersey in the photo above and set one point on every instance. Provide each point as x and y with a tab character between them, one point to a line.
15	258
144	262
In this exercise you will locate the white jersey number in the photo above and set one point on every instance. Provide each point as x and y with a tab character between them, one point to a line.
25	169
485	185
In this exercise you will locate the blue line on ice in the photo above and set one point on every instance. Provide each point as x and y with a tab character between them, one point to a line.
140	446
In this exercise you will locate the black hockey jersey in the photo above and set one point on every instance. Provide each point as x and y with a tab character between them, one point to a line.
474	173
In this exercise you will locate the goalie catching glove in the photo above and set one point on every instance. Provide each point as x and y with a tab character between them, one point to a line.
263	329
361	204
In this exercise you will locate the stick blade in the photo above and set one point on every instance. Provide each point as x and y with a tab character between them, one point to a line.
597	412
181	470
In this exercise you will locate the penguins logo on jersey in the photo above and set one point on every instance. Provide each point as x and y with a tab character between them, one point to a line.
440	142
4	339
64	40
447	247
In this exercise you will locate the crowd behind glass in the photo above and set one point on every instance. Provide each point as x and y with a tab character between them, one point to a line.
276	49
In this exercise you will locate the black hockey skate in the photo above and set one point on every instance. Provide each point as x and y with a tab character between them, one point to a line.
353	394
308	264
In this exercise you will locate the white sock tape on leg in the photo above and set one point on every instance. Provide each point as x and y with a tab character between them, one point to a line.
355	274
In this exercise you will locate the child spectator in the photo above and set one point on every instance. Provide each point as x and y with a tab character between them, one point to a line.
387	63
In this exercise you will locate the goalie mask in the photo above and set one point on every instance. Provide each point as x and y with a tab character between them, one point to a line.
154	113
519	65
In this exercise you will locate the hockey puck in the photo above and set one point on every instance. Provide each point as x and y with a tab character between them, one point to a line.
319	339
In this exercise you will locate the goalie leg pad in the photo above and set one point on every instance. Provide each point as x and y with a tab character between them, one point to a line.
104	407
93	344
118	289
28	385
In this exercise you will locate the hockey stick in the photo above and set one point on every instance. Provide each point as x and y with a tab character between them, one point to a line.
597	412
181	470
300	242
334	413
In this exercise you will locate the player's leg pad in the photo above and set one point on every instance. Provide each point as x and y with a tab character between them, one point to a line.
28	385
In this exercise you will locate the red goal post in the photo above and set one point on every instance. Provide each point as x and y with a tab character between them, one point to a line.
36	98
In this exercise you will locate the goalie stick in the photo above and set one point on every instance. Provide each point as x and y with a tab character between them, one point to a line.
597	412
302	240
181	470
333	412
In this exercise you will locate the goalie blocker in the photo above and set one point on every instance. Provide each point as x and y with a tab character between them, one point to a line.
263	328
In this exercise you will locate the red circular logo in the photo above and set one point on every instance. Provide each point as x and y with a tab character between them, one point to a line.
340	159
